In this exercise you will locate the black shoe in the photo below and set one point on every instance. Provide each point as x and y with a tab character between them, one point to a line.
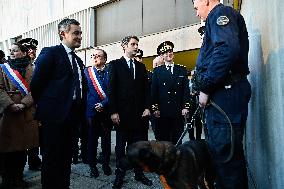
118	182
94	172
143	179
107	170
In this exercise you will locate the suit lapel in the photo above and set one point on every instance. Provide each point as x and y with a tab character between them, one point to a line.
65	56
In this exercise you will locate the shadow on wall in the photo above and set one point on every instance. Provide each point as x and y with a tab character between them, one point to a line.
264	142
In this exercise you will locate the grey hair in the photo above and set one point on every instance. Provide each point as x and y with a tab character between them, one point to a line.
126	39
64	25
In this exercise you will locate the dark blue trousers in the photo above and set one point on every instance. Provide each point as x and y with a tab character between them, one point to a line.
58	139
233	174
99	126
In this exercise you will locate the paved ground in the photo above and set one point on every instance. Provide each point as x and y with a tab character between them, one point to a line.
80	178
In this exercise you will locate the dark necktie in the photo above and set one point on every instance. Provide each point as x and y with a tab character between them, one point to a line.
76	77
169	68
131	67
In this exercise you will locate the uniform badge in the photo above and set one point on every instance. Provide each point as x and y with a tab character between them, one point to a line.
223	20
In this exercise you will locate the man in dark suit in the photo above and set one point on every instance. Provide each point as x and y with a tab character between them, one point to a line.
57	87
129	105
170	95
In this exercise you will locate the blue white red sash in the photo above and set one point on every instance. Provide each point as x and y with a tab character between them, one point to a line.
16	79
96	82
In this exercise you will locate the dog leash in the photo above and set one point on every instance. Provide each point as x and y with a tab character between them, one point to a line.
190	126
233	142
187	125
231	128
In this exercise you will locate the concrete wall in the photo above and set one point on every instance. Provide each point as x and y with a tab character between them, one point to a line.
265	130
23	16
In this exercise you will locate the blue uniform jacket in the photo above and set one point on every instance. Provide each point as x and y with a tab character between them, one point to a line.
224	50
222	57
170	92
92	95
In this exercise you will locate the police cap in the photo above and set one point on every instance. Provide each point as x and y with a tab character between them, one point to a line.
165	47
30	43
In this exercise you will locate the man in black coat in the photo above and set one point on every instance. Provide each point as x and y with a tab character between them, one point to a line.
170	95
128	104
57	87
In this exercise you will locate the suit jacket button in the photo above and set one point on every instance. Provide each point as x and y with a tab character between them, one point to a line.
169	102
169	92
164	83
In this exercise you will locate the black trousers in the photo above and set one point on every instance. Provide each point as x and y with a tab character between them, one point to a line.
13	165
99	126
58	149
124	139
169	129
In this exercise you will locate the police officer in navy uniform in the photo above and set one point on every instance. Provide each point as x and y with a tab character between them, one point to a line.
221	78
34	161
170	95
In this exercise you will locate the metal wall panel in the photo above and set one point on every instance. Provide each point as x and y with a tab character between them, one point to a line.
141	17
116	20
47	35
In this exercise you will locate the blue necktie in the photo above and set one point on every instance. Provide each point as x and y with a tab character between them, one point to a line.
76	77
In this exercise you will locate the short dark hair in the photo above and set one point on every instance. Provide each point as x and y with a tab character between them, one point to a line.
64	25
126	39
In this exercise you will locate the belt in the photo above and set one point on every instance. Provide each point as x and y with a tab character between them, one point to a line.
234	78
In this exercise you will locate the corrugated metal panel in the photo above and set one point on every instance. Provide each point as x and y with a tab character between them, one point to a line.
47	35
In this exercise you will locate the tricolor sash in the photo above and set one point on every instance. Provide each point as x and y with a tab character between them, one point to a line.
96	82
16	79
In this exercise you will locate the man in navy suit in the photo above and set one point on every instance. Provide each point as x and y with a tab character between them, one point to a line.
57	87
99	123
129	105
170	95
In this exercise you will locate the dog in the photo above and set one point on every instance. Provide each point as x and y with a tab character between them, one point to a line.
184	167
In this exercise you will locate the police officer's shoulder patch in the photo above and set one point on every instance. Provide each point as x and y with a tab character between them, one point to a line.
222	20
